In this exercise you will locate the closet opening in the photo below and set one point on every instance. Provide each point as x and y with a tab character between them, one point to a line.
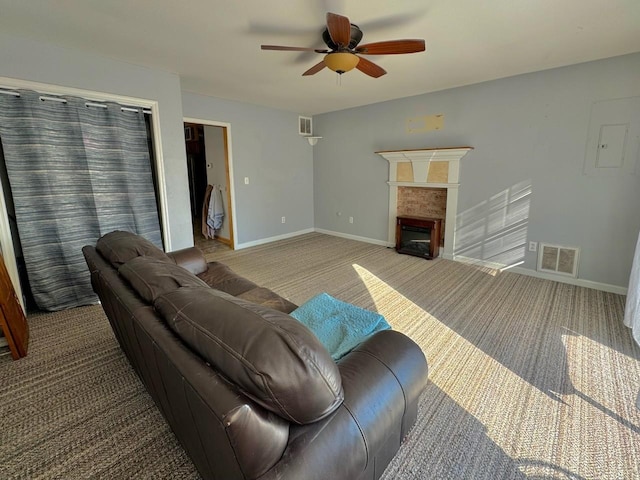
210	185
81	168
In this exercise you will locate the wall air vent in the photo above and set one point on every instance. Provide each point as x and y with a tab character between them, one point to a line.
305	126
558	259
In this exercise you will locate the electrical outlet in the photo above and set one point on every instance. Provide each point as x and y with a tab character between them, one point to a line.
284	220
533	246
350	219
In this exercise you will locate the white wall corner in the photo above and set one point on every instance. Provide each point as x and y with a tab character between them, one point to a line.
263	241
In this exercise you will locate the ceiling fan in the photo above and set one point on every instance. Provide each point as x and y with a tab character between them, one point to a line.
343	38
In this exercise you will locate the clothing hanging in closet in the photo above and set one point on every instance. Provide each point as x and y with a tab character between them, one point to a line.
212	211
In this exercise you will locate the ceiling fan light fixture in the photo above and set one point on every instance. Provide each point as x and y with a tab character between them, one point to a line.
341	62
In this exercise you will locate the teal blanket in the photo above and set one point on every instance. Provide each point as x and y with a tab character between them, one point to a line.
338	325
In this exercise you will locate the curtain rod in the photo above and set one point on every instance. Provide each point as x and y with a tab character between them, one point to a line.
63	100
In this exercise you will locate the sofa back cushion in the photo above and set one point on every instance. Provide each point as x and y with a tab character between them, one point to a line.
151	277
119	247
271	357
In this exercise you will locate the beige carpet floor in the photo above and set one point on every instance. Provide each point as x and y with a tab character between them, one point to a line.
529	378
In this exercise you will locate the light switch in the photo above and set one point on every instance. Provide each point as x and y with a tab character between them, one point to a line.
246	180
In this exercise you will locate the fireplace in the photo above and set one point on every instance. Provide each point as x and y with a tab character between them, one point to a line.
434	169
427	202
418	236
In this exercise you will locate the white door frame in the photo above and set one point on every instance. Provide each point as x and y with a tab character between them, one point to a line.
232	191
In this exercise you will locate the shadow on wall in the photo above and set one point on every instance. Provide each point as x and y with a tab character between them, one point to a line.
495	230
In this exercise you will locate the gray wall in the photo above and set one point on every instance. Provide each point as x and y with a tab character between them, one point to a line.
24	59
266	148
528	132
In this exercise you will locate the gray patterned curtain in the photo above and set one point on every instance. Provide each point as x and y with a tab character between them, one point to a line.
77	170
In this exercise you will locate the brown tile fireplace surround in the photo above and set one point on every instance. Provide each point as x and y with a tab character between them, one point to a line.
424	183
423	202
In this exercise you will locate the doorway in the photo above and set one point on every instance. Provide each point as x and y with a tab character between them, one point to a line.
209	165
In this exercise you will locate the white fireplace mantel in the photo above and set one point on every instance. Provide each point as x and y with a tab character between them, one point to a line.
429	168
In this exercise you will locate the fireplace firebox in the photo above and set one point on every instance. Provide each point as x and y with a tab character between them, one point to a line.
418	236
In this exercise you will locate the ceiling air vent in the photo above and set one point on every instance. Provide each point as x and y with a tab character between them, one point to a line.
559	260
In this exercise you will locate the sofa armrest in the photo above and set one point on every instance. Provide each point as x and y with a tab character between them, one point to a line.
382	379
403	358
191	259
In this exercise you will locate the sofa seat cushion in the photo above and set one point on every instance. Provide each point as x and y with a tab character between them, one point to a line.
271	357
118	247
267	298
221	277
151	277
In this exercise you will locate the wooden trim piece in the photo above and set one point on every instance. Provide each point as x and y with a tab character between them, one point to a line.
230	241
226	241
423	184
12	319
421	149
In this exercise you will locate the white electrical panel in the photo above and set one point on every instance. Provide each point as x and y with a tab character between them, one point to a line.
613	142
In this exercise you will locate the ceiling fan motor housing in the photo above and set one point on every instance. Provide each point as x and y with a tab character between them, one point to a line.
356	36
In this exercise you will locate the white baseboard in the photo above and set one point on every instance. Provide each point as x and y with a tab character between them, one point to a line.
262	241
457	258
354	237
480	263
579	282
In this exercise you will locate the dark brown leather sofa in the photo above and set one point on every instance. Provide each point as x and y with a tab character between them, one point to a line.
249	392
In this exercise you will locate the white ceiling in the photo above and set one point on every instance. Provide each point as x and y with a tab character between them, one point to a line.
214	45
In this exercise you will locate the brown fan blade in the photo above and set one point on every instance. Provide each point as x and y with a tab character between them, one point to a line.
315	69
370	68
339	28
391	47
290	49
